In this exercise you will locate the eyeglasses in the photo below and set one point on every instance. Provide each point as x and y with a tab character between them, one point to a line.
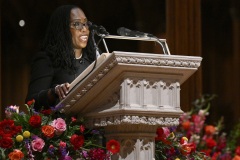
79	25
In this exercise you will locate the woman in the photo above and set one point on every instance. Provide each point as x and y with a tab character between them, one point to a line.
67	50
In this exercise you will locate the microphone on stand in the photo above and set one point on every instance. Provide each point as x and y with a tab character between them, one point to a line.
99	30
141	35
131	33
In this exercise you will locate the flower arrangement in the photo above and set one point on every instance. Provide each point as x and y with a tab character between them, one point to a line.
193	139
50	135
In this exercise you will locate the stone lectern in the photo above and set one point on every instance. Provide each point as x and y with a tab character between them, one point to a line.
131	95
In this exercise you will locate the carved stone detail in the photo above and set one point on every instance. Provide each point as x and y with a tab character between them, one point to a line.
158	61
149	93
131	119
136	141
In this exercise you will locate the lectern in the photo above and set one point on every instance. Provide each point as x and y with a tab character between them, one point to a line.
131	95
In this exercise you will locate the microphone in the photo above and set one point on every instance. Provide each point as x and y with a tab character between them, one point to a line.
131	33
99	30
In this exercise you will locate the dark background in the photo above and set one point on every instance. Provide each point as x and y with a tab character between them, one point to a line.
206	28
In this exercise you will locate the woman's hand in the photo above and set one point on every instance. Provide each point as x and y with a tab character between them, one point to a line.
62	90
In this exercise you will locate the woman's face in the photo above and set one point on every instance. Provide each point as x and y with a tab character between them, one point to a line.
79	28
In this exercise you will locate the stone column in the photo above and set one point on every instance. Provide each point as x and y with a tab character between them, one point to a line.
137	141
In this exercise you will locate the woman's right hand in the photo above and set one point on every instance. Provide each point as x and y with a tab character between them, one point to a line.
62	90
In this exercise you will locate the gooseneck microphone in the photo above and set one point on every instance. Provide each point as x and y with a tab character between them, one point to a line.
137	35
122	31
99	30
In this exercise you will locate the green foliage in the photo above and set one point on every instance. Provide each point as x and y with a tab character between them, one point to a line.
234	139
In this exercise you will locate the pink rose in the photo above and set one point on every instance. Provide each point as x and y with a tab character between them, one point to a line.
60	126
38	144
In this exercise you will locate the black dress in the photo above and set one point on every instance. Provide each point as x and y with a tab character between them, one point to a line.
44	77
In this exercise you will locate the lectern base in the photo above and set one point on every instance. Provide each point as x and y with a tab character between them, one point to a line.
137	141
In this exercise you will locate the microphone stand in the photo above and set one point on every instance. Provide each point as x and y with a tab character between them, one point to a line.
105	45
162	42
104	42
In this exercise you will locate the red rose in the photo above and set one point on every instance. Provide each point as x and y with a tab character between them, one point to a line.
31	102
77	141
211	143
46	111
35	121
6	142
7	127
237	151
162	134
113	146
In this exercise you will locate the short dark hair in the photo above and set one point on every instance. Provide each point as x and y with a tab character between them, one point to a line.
58	39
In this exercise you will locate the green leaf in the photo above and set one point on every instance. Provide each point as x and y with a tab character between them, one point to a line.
45	120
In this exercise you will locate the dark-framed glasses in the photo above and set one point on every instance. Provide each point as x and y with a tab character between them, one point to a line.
79	25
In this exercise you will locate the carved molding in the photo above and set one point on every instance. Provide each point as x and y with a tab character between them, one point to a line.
170	62
130	119
150	93
90	84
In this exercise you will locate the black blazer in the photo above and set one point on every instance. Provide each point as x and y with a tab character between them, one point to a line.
44	77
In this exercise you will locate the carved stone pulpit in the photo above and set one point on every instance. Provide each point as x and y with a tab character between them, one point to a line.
131	95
